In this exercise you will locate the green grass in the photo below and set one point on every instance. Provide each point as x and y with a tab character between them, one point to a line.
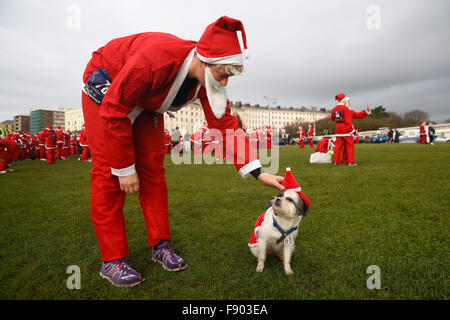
391	211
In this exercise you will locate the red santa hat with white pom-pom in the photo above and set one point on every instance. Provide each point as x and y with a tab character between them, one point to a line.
219	43
290	183
341	98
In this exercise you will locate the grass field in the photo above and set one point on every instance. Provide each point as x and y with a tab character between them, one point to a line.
391	211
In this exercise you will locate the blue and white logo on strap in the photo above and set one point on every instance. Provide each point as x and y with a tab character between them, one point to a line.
97	85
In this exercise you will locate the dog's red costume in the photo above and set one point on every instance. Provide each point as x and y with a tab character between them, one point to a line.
291	184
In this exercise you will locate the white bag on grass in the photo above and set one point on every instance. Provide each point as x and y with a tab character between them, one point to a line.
320	157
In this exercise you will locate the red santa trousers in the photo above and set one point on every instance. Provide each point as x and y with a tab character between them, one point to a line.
302	143
42	151
311	144
4	159
51	155
85	154
423	139
347	144
59	151
107	199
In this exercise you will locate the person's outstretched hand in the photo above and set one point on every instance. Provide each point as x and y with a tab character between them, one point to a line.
270	180
129	184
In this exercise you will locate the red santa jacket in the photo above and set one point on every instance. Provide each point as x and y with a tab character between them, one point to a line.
310	132
301	134
344	119
422	130
7	147
147	70
50	139
59	136
42	138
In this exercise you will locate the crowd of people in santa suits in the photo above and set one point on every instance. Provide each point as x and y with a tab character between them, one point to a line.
49	145
204	141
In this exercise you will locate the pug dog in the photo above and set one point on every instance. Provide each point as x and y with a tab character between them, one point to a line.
276	229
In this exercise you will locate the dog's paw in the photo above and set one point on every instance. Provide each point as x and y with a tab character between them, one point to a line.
260	267
288	271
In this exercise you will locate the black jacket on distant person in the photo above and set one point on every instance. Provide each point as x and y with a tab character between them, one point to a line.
396	136
431	133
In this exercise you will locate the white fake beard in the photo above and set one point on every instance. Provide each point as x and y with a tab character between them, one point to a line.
216	93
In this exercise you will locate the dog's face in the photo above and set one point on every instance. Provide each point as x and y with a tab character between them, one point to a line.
289	203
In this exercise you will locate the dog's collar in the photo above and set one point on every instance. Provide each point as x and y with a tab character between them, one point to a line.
284	234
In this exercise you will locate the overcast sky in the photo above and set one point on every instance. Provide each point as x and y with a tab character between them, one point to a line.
378	52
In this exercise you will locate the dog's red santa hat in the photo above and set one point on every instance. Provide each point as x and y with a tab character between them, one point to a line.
219	43
290	183
341	98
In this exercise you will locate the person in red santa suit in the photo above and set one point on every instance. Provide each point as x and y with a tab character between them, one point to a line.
325	145
167	140
269	137
66	145
423	133
42	136
301	137
34	147
50	145
310	135
7	150
59	142
130	83
343	116
84	145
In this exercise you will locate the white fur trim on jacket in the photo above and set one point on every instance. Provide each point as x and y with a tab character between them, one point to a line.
249	167
181	75
124	172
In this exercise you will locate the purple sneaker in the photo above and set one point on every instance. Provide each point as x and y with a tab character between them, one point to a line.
167	258
120	273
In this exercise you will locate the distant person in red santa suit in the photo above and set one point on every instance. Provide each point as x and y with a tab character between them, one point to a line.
301	137
269	137
310	136
42	155
167	140
130	83
343	116
59	142
423	133
50	145
7	149
84	144
66	146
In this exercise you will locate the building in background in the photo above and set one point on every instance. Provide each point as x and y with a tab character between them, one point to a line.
74	119
40	119
8	125
22	122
